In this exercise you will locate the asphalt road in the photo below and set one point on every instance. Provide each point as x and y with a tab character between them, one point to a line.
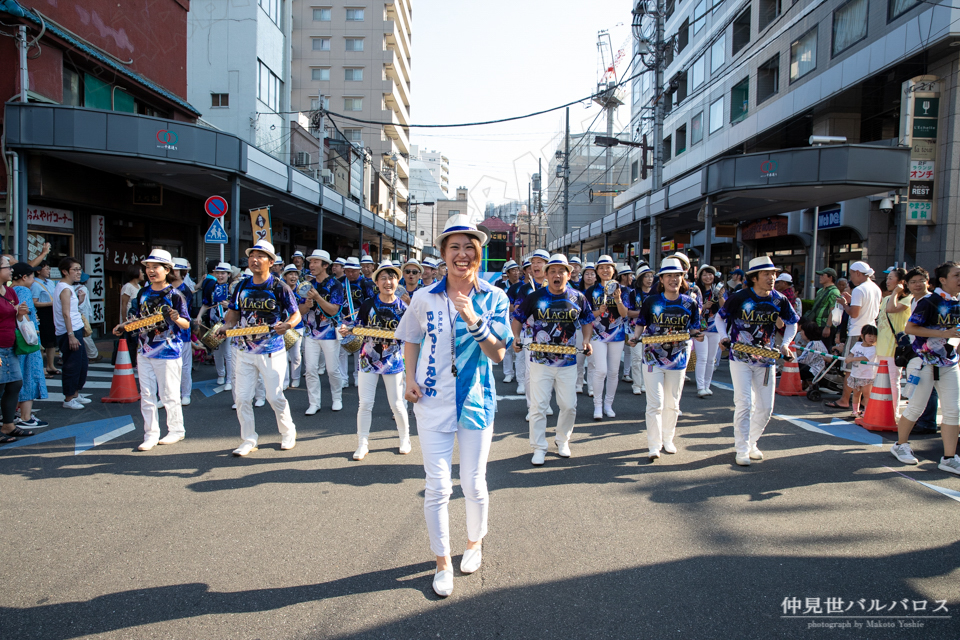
187	541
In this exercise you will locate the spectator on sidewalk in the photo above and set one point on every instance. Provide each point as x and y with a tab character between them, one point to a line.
69	331
31	364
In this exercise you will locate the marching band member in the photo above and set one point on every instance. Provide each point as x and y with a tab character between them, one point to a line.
749	317
588	278
214	305
291	375
159	354
625	279
538	265
513	294
359	289
668	311
367	266
262	299
429	272
300	262
707	348
336	268
321	314
556	313
381	360
609	334
411	280
277	268
577	272
511	276
441	270
462	323
181	268
644	288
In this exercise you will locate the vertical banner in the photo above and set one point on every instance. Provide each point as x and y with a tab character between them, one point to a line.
919	119
98	234
260	225
94	266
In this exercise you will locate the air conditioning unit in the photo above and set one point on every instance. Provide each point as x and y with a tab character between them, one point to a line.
302	159
327	176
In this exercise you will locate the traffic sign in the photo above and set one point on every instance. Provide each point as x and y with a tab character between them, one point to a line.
216	234
215	206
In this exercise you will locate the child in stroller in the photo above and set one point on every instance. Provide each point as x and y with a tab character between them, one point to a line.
816	371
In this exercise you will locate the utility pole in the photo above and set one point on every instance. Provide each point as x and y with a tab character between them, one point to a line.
658	111
320	124
566	177
608	99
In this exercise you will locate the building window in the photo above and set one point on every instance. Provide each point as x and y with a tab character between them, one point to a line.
72	93
740	101
321	44
897	8
768	78
849	25
634	171
268	87
718	53
669	8
320	75
741	31
696	129
645	78
716	5
667	148
683	35
681	87
272	9
323	14
353	135
681	137
220	100
699	16
698	72
803	55
353	75
768	11
716	115
354	15
353	104
354	44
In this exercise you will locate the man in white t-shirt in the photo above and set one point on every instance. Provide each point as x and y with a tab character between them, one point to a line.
863	307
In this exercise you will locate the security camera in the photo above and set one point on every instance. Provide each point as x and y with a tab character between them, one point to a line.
886	205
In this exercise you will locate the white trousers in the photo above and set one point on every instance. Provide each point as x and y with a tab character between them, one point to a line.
509	364
437	451
627	360
606	366
313	351
294	361
706	358
543	381
367	389
260	392
948	389
345	366
223	359
91	347
159	379
636	367
270	367
186	370
663	405
894	371
753	403
581	361
524	357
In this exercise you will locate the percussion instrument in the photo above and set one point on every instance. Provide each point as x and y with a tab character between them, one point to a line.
666	337
252	330
147	322
753	350
210	339
552	348
351	343
303	288
609	291
290	337
371	332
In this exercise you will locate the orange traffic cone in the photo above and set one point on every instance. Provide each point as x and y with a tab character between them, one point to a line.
880	415
123	387
790	384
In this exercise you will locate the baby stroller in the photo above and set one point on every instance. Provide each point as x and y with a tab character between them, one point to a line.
830	379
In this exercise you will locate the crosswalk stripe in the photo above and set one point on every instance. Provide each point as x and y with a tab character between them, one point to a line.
90	384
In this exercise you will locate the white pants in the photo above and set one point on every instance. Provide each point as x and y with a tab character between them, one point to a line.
627	360
159	379
636	367
948	388
520	365
345	366
393	383
581	361
91	347
543	381
509	365
294	361
663	405
260	392
223	359
313	351
706	358
753	402
606	366
270	366
186	370
437	451
894	371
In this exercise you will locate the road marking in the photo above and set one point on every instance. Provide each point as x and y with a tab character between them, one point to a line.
208	387
950	493
836	428
87	434
511	397
89	384
721	385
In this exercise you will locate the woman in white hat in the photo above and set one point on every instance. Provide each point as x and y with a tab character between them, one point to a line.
588	278
212	309
181	268
159	353
749	317
668	311
625	277
707	348
381	360
643	285
613	306
291	376
462	324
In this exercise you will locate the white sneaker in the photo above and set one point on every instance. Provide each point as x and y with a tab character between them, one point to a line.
702	393
73	404
709	391
549	411
904	453
82	399
521	391
361	452
597	413
288	442
185	400
686	378
608	411
507	379
221	380
669	447
579	389
244	449
563	450
590	390
743	459
336	406
443	583
626	379
171	438
527	418
234	406
470	562
637	391
539	456
259	402
405	447
321	371
311	410
296	383
755	453
950	465
653	455
147	445
228	387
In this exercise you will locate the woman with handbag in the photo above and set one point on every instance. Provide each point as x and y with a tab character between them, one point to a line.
28	350
11	380
894	313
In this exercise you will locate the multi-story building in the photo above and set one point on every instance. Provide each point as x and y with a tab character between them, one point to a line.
747	83
357	58
429	175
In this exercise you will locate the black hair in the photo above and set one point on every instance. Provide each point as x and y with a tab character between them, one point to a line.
868	330
943	270
917	271
66	263
134	271
811	330
699	281
212	264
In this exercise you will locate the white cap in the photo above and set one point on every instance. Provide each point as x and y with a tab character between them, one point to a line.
785	277
862	267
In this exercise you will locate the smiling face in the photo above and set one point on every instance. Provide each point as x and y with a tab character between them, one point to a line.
917	286
462	255
221	276
557	278
291	279
671	283
387	282
156	272
707	277
605	272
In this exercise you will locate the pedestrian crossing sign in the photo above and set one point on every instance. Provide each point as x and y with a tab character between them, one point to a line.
216	234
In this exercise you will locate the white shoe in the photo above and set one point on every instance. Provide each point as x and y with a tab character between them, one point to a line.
637	391
507	379
579	389
336	406
287	444
549	411
590	391
597	413
73	404
443	583
521	391
686	378
527	418
221	380
259	402
311	410
405	447
185	400
563	450
361	452
321	371
228	387
702	393
743	459
83	399
626	379
653	455
755	454
234	406
608	411
471	561
296	383
244	449
904	453
171	438
950	465
669	447
709	391
538	457
147	445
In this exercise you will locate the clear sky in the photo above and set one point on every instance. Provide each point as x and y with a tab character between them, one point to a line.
477	61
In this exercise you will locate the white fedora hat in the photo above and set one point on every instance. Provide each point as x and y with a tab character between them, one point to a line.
351	263
671	265
160	256
264	247
319	254
559	259
460	223
763	263
384	266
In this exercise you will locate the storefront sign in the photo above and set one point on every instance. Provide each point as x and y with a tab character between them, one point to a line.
829	219
50	217
98	312
725	231
921	190
148	193
768	228
120	256
921	169
98	234
920	111
260	225
666	246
